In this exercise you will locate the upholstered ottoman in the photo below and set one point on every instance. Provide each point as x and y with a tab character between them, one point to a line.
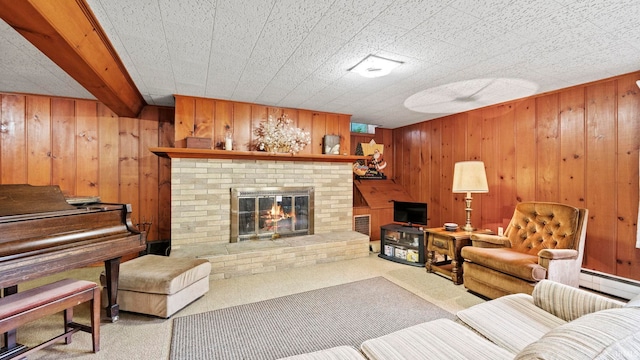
161	285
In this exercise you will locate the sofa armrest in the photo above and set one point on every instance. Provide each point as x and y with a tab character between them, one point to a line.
490	241
569	303
558	254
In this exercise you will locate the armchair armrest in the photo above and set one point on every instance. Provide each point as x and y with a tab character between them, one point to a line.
558	254
490	241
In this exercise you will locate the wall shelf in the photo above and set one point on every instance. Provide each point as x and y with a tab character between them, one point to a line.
169	152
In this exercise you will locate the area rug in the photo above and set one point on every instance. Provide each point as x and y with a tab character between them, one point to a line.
345	314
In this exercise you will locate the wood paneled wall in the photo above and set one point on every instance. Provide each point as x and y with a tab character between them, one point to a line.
87	150
577	146
212	118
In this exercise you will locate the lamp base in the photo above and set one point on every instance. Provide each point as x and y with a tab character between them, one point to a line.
468	227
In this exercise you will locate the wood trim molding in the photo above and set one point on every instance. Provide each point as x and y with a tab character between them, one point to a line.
69	34
172	153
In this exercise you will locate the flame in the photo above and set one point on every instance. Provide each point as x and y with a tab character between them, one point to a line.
277	213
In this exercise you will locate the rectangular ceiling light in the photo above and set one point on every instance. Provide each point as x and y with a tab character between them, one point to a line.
374	66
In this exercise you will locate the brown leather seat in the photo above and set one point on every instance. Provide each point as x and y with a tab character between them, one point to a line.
543	241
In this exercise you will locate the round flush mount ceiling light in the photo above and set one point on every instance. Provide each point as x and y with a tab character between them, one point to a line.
467	95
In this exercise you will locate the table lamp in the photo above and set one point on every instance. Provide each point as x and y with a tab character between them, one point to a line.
469	177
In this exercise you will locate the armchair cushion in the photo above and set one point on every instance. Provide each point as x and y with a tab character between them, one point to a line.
506	260
538	225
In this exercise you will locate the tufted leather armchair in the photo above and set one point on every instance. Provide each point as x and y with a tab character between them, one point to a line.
543	241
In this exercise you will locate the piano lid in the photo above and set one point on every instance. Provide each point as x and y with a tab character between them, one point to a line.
23	199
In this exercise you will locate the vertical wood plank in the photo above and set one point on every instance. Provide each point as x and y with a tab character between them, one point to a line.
415	180
165	139
318	128
149	172
332	128
258	115
490	217
38	140
223	121
446	204
506	166
87	148
525	119
406	159
129	137
344	131
305	120
203	118
13	147
435	201
63	145
427	168
627	179
109	177
242	136
398	155
601	197
572	148
548	135
184	119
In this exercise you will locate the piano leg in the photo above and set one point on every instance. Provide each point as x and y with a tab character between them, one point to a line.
112	272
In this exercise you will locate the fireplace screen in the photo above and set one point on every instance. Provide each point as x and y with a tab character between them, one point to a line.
270	213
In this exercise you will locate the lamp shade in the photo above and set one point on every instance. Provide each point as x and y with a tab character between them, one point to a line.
469	176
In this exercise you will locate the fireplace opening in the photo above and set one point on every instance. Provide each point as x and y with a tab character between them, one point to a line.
270	213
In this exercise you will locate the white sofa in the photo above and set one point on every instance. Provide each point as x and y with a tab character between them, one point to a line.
555	322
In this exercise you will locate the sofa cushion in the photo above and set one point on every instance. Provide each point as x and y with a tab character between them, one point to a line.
569	303
336	353
508	261
511	322
437	339
606	334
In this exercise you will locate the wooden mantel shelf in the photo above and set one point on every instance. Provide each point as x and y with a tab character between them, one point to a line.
169	152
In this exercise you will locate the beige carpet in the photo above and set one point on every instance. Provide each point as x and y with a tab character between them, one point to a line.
345	314
147	338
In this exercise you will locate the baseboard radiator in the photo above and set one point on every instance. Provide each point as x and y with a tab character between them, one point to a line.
609	284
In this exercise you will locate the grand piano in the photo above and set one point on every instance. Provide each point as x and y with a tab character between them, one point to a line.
41	234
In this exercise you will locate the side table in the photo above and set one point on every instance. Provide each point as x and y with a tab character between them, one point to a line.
449	244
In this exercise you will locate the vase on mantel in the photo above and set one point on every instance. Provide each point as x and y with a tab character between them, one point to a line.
228	141
276	149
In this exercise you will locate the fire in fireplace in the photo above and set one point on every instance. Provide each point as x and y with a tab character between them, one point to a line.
270	213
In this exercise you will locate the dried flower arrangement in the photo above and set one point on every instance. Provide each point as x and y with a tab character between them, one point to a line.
279	135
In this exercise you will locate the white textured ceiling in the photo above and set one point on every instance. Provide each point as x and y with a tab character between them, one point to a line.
295	53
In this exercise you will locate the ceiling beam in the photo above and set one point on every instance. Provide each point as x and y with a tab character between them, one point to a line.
68	33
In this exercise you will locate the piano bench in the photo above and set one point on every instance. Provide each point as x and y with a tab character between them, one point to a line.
29	305
161	285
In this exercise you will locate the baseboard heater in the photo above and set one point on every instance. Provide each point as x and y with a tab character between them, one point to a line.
609	284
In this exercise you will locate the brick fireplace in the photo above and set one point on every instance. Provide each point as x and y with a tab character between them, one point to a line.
201	194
